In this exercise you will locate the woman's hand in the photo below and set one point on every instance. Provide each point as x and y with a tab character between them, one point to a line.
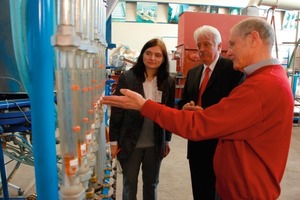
167	149
114	150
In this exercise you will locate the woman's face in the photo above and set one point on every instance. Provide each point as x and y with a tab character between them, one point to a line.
153	57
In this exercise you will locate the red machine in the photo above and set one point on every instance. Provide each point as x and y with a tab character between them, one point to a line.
186	54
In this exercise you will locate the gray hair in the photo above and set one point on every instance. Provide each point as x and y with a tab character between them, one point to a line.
260	25
208	31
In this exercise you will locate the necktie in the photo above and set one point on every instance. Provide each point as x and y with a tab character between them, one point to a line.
203	84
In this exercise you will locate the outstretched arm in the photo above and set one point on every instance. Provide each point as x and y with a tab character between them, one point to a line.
130	100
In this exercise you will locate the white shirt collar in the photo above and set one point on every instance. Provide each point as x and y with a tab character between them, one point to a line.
212	65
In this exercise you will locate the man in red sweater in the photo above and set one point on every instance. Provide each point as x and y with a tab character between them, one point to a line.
253	124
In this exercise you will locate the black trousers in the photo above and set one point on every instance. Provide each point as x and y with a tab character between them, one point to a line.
203	179
146	160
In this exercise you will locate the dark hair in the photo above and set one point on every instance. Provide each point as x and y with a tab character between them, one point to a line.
139	68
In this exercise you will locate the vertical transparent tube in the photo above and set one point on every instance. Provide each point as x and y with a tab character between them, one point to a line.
84	169
100	128
68	91
85	97
67	121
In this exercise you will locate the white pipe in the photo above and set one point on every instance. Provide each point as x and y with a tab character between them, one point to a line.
104	18
88	20
92	25
111	4
97	13
254	3
79	17
280	4
66	12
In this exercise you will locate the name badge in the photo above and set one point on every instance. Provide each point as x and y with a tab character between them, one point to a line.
158	96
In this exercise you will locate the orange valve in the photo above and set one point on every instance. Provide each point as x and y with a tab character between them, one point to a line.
85	89
75	87
76	128
85	119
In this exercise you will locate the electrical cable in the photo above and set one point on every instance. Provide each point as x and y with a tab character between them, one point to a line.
20	109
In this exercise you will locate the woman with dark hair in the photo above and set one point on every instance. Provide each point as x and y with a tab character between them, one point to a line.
135	140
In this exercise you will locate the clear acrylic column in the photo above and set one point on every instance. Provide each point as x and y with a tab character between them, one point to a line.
68	100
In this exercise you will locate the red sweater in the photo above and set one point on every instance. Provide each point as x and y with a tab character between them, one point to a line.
254	126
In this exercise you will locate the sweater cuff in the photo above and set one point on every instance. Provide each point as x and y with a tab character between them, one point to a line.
150	109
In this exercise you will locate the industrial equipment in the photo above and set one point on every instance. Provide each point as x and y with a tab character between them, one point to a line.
73	34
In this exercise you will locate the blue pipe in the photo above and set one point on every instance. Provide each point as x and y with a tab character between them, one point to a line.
295	84
14	103
3	175
40	58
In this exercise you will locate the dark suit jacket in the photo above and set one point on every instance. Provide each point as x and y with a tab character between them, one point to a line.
222	80
125	125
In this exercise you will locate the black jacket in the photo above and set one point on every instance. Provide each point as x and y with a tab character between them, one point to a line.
222	80
125	125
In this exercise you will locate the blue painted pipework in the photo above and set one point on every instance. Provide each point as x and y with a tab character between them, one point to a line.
40	56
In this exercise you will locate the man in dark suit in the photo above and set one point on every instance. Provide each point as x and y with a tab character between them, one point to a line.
222	78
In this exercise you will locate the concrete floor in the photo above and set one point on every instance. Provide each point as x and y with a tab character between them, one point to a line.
174	177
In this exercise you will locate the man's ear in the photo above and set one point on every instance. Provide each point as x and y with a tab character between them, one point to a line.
220	46
254	38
